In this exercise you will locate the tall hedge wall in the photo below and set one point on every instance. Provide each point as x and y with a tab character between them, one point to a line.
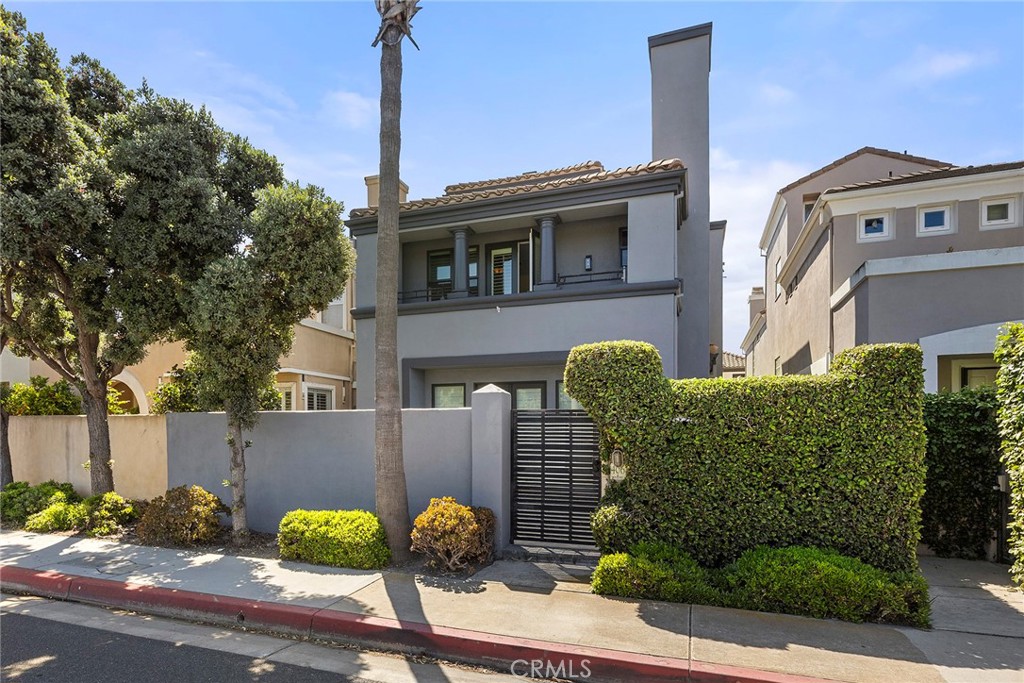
1010	388
960	509
717	466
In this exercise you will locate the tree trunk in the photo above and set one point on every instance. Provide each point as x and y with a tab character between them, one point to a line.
239	516
392	498
101	475
6	471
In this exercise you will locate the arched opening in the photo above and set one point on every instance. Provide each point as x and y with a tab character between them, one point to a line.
132	392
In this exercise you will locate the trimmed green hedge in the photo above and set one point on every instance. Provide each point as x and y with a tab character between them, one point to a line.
1010	387
960	509
342	538
809	582
717	467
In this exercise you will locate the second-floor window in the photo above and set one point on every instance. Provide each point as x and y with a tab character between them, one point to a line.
509	269
623	251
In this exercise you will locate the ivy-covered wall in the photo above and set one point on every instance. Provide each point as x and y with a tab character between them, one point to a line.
1010	388
716	467
960	508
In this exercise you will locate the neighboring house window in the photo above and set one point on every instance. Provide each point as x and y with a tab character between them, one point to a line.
565	401
934	220
808	207
319	399
778	270
286	399
874	226
999	212
449	395
778	365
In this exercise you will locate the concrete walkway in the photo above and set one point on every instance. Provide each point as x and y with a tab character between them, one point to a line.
514	610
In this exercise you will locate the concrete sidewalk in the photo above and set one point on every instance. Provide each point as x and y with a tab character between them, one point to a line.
522	610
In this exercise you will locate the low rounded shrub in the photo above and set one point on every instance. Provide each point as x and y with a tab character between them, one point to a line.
824	584
60	516
341	538
109	513
612	527
19	500
655	571
454	537
185	515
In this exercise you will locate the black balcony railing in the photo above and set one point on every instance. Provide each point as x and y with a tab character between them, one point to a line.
581	278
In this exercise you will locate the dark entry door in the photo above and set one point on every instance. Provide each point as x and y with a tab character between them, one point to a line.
556	476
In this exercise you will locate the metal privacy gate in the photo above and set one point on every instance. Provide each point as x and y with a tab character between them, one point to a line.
556	476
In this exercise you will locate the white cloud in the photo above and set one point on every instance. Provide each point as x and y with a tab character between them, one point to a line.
348	109
928	66
742	193
773	93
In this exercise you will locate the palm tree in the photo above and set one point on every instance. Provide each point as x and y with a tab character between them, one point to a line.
392	497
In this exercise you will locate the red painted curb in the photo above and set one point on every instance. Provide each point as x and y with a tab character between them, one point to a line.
48	584
291	618
493	649
576	661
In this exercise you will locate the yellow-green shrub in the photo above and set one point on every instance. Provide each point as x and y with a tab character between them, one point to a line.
59	516
1010	391
109	513
717	467
341	538
19	500
454	537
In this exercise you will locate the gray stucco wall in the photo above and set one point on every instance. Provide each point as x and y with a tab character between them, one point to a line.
680	129
849	254
538	328
321	460
960	299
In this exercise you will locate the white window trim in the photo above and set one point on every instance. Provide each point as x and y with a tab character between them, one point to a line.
287	386
1012	221
948	228
306	386
886	217
778	285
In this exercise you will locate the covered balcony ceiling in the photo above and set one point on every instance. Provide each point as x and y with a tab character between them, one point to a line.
585	212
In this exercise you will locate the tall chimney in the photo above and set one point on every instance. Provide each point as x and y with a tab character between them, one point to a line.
373	191
680	66
756	301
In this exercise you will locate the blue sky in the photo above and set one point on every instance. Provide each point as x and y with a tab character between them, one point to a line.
502	88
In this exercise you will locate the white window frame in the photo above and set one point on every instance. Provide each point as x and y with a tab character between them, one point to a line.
318	387
778	271
887	233
948	228
287	386
1013	217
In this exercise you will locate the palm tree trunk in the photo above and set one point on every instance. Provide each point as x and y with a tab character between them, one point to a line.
239	513
392	498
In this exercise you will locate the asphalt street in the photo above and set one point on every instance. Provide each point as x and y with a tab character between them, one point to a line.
55	642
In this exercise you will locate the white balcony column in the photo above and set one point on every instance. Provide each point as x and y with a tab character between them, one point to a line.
460	263
547	225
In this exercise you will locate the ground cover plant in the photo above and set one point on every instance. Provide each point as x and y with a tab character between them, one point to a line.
717	467
810	582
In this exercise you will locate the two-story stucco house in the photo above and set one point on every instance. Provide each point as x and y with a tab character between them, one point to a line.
500	278
885	247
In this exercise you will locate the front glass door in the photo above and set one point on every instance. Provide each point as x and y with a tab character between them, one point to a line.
503	278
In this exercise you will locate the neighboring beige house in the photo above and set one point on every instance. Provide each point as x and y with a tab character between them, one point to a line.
318	374
887	247
733	365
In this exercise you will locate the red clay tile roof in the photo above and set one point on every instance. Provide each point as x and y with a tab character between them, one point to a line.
733	361
530	177
929	174
853	155
548	180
